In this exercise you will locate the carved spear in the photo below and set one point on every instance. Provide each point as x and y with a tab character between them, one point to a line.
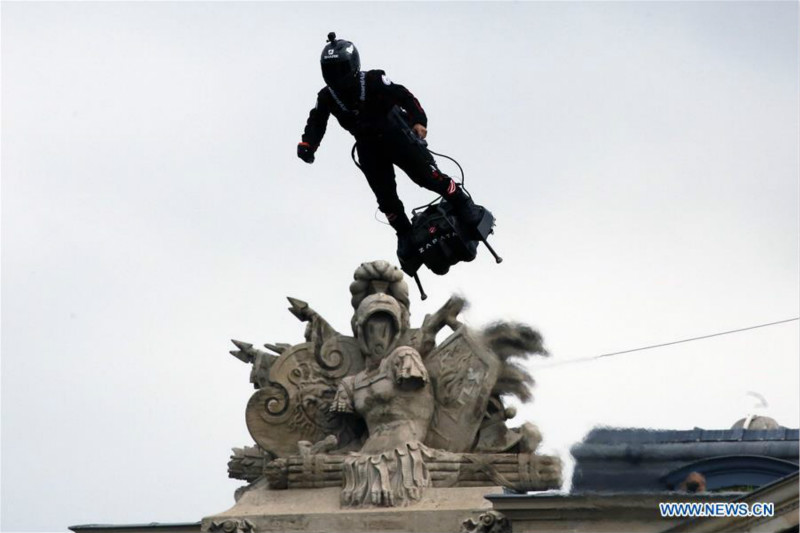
318	330
447	315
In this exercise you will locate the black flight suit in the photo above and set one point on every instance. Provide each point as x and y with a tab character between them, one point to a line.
363	110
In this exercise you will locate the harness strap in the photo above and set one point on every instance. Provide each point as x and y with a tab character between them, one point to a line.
362	79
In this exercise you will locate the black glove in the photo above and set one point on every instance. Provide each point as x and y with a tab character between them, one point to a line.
305	152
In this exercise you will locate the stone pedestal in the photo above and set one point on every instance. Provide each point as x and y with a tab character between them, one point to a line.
319	511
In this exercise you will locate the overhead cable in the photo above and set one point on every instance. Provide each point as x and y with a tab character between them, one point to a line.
594	357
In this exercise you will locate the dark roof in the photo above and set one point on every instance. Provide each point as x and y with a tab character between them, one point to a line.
148	526
653	436
638	459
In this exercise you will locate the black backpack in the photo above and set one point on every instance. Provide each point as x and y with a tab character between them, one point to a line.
440	239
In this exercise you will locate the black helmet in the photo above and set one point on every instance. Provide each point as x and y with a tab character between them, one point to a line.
340	61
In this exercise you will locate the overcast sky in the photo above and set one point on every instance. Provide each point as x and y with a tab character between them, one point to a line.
641	160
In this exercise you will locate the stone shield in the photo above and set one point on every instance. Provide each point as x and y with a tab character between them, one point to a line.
295	403
463	372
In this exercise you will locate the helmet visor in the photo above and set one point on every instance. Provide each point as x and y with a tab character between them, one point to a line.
335	72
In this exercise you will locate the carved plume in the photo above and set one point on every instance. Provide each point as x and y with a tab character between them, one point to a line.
378	276
511	339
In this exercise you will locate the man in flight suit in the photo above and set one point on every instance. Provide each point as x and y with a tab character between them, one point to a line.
389	126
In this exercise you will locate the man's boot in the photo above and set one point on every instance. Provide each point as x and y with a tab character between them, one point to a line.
406	249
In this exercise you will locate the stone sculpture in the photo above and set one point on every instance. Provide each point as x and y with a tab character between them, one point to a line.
232	526
387	412
488	522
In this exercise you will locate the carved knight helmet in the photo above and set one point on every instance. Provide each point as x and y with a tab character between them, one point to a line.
379	277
